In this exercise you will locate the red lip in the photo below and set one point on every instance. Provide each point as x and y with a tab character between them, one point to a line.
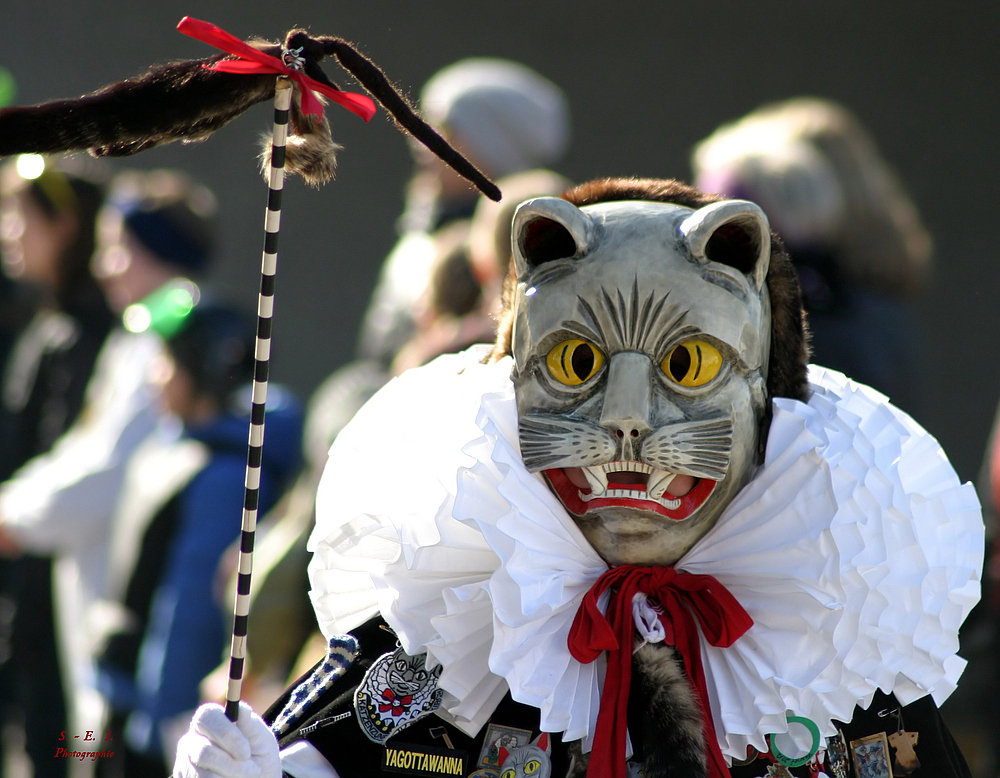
569	494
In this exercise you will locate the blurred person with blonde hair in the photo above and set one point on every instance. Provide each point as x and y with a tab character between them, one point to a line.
856	239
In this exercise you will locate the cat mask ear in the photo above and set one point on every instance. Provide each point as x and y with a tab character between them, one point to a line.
734	233
545	229
187	101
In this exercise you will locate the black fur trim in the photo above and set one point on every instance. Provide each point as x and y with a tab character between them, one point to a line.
665	716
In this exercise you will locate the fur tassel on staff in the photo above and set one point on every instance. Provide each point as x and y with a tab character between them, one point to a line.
188	101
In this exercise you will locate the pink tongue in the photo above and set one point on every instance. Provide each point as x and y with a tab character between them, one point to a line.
681	485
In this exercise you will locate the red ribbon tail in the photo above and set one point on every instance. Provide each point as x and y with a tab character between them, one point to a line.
360	105
591	633
206	32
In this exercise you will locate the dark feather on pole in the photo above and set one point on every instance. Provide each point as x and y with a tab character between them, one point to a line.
371	77
186	102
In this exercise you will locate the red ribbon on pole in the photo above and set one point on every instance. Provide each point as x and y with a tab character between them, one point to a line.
252	60
683	597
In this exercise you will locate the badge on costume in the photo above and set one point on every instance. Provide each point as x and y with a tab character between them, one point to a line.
499	737
397	690
530	761
836	764
906	760
871	757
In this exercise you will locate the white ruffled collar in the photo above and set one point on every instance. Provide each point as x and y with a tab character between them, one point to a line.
855	549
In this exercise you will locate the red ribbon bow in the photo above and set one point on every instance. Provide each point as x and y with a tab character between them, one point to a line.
397	704
683	597
252	60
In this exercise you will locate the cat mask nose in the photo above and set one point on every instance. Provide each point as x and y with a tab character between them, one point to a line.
627	409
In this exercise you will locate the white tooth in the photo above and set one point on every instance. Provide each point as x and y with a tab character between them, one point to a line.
671	504
657	488
598	480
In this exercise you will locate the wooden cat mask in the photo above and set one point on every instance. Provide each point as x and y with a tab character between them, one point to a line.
641	341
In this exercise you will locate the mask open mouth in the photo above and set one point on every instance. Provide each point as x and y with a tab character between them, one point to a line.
629	484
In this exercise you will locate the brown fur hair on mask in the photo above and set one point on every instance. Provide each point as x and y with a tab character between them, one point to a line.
789	340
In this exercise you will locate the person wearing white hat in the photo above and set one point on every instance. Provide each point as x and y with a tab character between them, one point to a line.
506	118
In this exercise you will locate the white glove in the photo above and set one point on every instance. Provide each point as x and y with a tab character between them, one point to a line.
215	747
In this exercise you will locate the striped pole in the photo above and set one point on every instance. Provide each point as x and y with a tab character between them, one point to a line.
265	310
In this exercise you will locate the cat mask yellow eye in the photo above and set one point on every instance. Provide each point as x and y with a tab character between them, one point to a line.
574	361
693	363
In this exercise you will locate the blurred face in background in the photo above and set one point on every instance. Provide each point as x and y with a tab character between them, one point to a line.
125	268
177	392
32	242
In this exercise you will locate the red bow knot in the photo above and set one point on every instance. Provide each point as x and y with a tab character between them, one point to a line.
684	597
396	704
251	60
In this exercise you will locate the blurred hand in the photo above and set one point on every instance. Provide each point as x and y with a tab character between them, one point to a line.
215	747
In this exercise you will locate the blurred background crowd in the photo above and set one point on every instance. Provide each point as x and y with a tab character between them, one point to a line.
126	299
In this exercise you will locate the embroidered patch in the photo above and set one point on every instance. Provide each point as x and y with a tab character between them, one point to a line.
340	655
484	773
871	757
397	690
423	760
530	761
498	737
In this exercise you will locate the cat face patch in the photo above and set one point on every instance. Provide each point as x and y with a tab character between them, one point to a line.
529	761
397	690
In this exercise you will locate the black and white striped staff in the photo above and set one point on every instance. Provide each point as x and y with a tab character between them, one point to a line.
292	67
258	400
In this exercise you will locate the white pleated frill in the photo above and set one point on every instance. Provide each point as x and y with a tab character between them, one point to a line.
855	550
